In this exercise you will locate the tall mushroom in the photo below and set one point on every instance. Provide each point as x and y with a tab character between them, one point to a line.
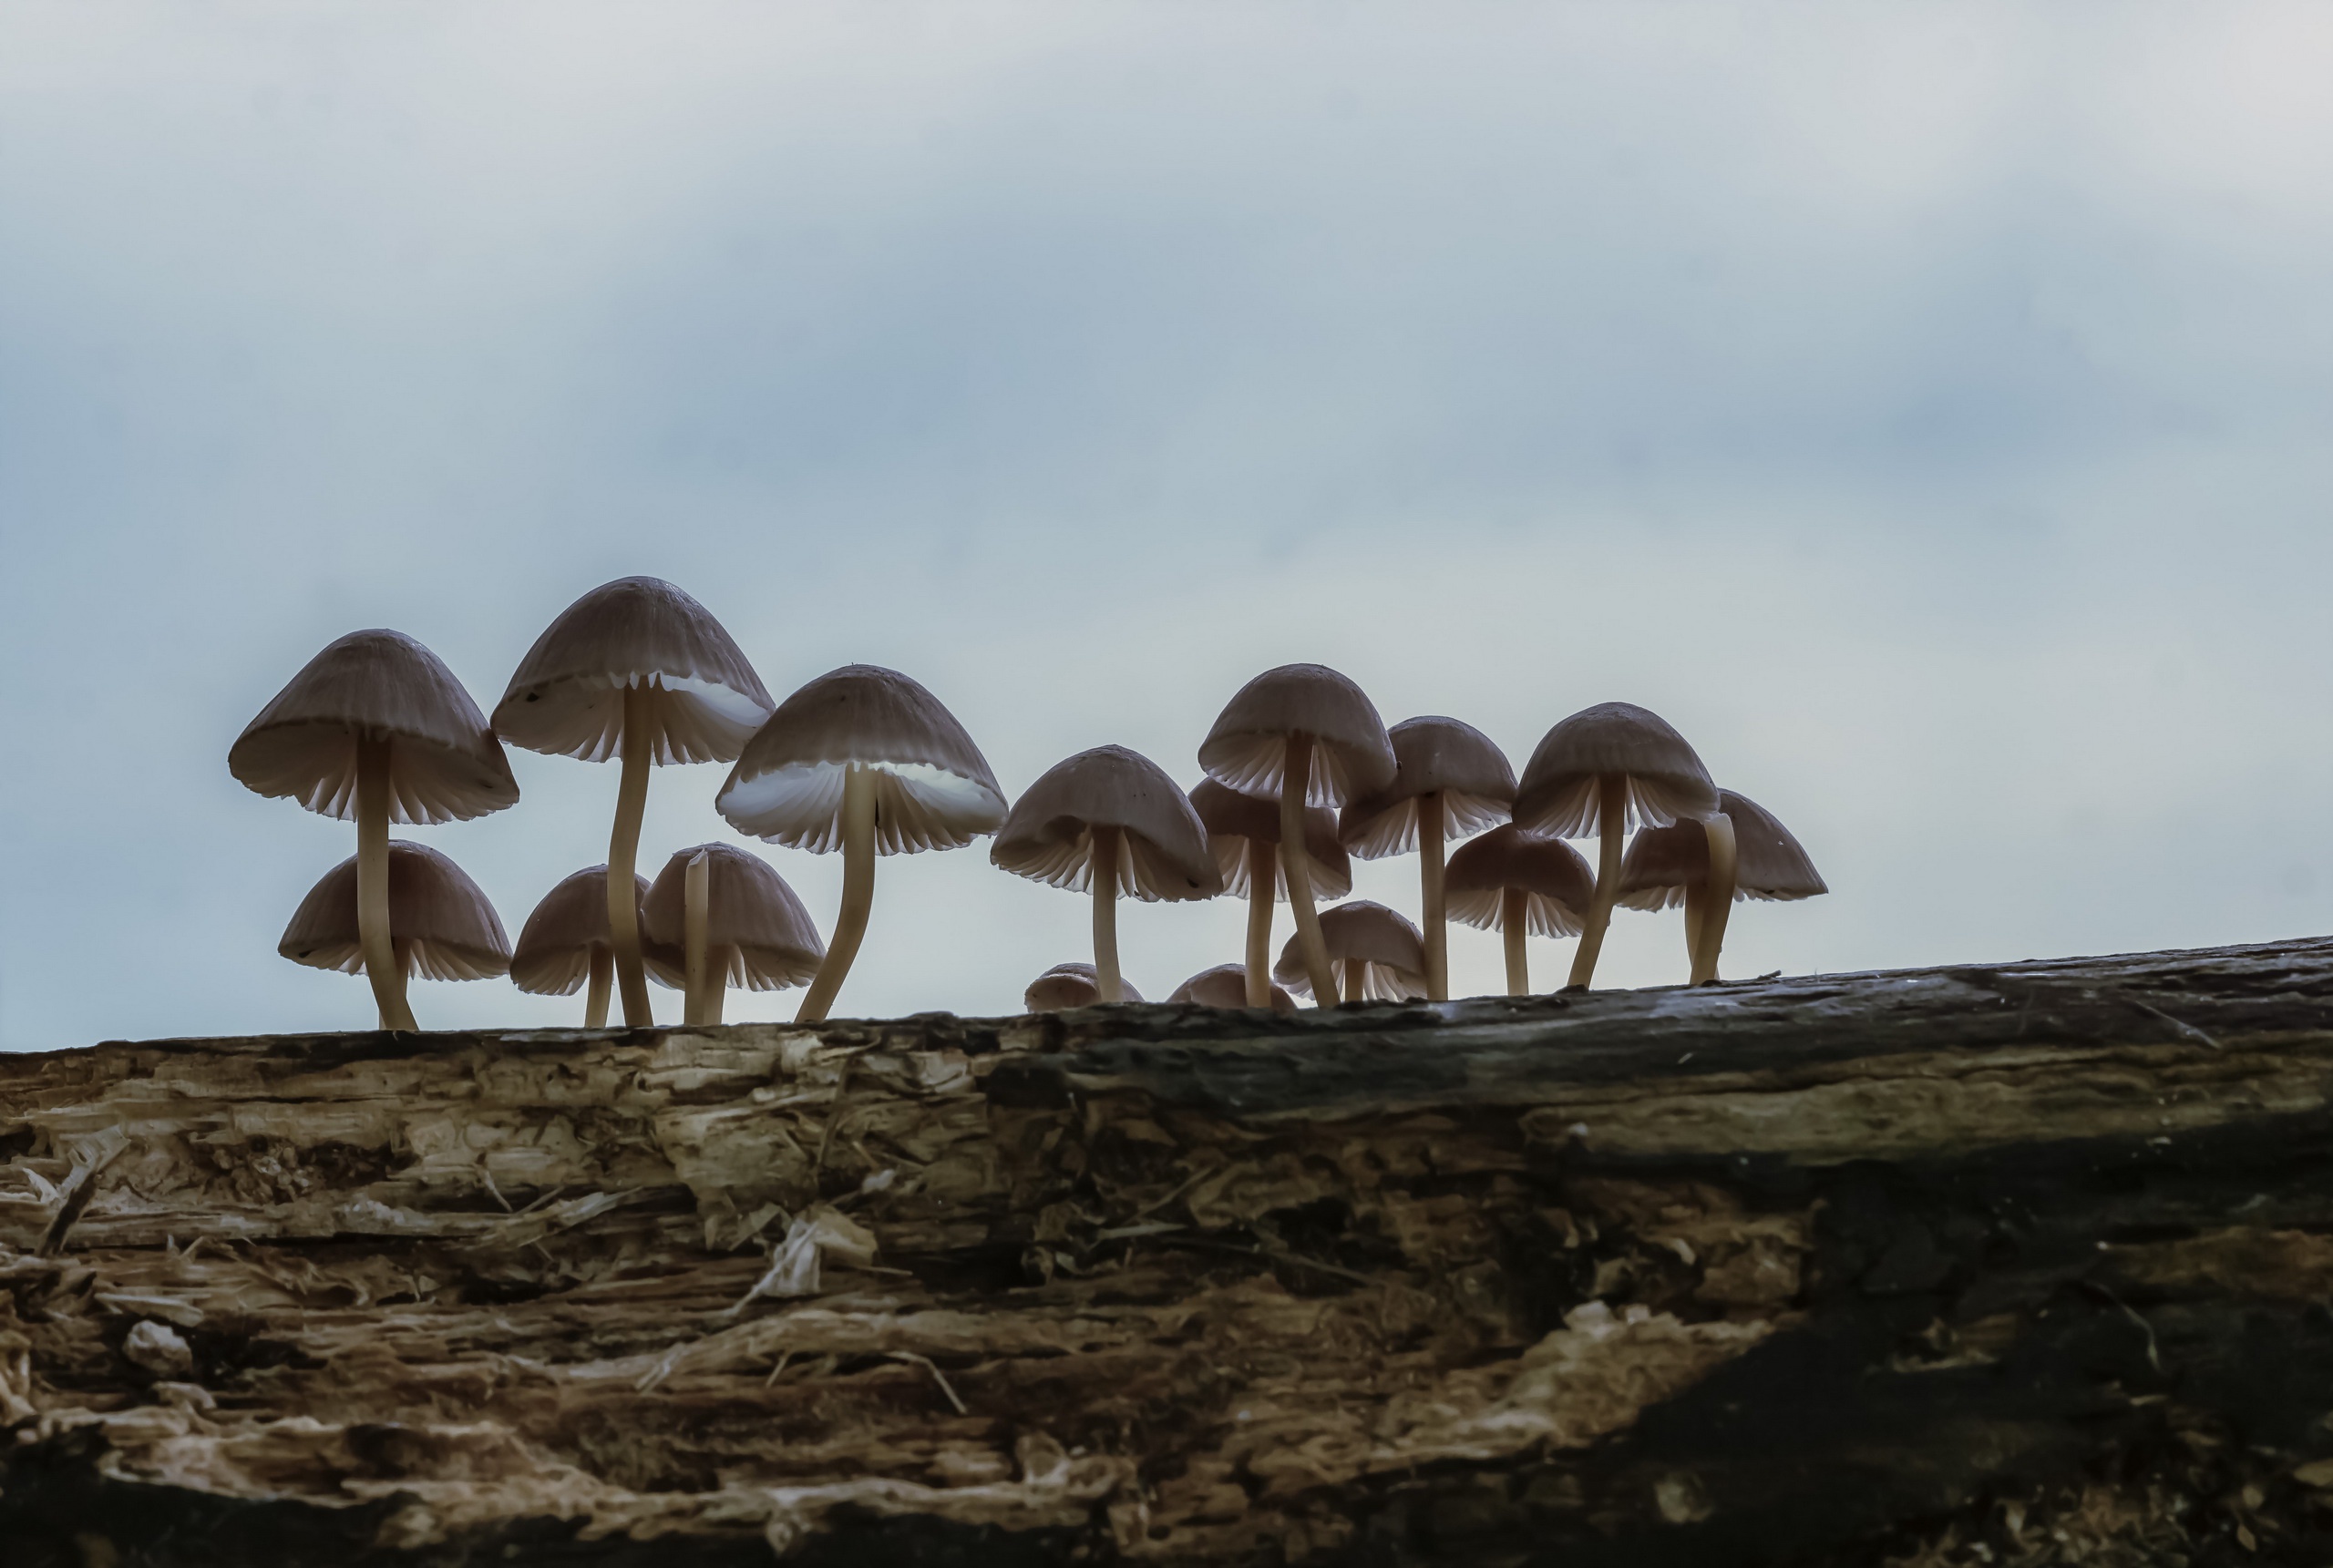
444	928
1667	867
1225	985
1450	782
1602	771
1305	735
735	923
1376	952
567	942
864	760
1105	821
1520	884
375	727
638	669
1243	833
1067	986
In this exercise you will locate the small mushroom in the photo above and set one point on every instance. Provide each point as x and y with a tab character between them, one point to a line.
444	927
1667	867
864	760
1067	986
743	926
639	669
1243	833
1602	771
1450	782
1520	884
566	941
1304	735
1116	809
375	727
1225	985
1378	954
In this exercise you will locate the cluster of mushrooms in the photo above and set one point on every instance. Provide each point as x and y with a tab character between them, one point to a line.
1301	774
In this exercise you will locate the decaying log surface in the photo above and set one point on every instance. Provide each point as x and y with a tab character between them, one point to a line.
2013	1266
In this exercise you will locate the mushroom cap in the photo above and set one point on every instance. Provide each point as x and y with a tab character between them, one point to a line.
445	764
1162	850
1431	755
1663	862
1390	950
1225	985
566	697
1231	819
553	957
748	909
1556	877
1351	755
934	789
1067	986
442	926
1666	781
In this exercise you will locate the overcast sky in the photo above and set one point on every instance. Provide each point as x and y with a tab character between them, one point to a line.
1924	407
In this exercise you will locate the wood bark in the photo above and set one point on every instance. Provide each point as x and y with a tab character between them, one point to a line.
2019	1265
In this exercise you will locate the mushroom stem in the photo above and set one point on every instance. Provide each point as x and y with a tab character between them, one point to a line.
381	965
1515	925
1295	782
1437	930
1263	884
695	904
624	850
716	982
1612	811
1105	874
604	974
1711	936
857	893
1696	899
1356	979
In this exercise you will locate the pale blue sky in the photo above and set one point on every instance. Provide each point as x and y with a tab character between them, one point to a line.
1923	406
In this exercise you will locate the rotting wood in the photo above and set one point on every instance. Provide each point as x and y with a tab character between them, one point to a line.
2020	1265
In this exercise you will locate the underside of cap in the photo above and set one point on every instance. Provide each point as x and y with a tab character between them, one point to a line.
553	957
1162	846
1248	748
1557	877
1768	863
1375	829
1559	793
1434	755
441	924
1364	931
1225	985
749	909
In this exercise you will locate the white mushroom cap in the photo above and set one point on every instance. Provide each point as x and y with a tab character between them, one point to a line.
749	910
1364	931
934	789
440	923
1232	819
566	697
1225	985
1067	986
445	764
1663	862
1162	848
1556	877
1560	791
553	957
1434	755
1352	756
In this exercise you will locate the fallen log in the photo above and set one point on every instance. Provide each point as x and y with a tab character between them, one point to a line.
2019	1265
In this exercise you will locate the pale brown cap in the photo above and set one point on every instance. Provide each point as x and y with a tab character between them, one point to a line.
934	789
1067	986
749	910
567	698
1231	819
1556	877
441	926
1351	755
445	764
1162	852
1666	781
1663	862
1434	755
1225	985
1365	932
553	957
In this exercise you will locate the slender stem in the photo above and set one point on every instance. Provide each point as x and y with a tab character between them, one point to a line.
1356	979
373	936
1295	781
1515	925
716	978
624	852
604	974
1105	874
696	883
1263	883
1437	930
1696	899
1612	811
1722	870
857	893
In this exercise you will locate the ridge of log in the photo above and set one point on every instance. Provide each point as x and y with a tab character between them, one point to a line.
2016	1264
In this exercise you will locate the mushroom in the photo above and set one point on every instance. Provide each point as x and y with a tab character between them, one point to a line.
1225	985
864	760
1667	867
1243	832
639	669
1450	782
375	727
1602	771
566	941
1115	808
1519	883
1067	986
735	923
1305	735
445	929
1377	952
